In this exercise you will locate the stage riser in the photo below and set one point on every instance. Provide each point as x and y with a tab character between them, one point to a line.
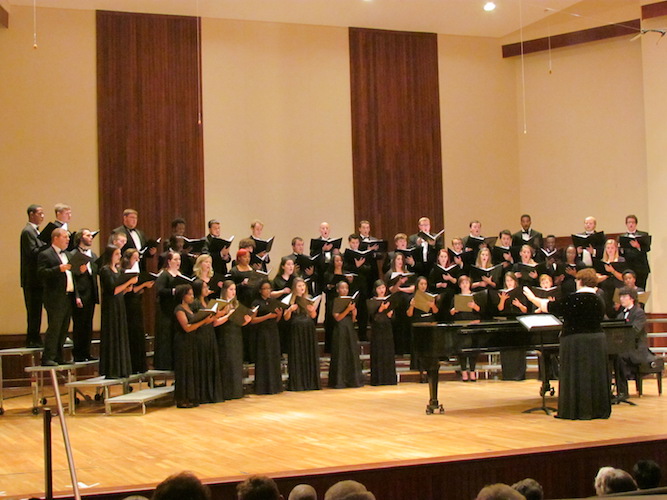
562	473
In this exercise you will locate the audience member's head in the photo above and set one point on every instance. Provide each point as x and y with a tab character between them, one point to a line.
529	488
499	491
303	492
135	497
258	488
647	474
182	486
610	480
348	490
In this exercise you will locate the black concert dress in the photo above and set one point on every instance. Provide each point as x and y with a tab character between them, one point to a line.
584	391
383	364
268	378
115	358
303	361
230	351
164	322
136	331
345	366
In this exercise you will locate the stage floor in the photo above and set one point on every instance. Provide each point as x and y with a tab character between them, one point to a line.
301	431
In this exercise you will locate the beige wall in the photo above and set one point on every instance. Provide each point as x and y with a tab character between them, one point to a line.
48	136
655	106
277	133
479	139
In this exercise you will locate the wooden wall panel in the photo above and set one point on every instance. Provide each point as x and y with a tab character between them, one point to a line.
397	160
149	129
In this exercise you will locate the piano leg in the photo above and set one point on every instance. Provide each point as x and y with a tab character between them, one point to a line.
432	368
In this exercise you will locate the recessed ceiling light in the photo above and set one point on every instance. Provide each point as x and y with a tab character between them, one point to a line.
489	6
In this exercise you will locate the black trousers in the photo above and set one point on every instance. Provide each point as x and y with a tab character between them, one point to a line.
33	296
59	313
82	330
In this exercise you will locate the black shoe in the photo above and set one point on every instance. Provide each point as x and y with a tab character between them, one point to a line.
80	360
92	358
35	344
48	362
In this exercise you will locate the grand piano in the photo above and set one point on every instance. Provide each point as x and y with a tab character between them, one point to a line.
434	342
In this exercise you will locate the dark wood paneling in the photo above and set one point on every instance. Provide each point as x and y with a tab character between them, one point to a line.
149	131
4	17
574	38
563	472
395	129
657	9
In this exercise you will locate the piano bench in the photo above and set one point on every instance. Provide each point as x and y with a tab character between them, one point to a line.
656	367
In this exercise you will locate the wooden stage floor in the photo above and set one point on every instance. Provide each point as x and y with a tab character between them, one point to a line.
301	431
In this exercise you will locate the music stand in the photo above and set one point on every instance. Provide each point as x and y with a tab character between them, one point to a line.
540	324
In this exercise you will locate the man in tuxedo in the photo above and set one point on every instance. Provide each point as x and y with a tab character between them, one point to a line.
426	253
377	256
472	241
220	258
627	362
586	254
63	216
30	282
635	257
88	296
527	235
55	271
135	237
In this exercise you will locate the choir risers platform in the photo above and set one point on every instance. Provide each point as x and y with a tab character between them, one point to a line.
37	380
19	351
139	398
100	382
433	342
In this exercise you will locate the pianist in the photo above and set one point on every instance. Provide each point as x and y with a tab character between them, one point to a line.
584	387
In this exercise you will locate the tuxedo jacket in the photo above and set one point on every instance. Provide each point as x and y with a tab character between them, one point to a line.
636	259
30	245
70	246
517	238
53	279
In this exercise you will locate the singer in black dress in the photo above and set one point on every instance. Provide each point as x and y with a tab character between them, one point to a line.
135	313
165	285
115	359
282	287
303	361
383	365
268	378
345	366
584	385
230	345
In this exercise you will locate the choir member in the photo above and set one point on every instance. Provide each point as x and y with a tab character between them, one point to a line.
467	362
115	356
135	312
135	238
207	358
303	361
443	281
571	265
637	256
332	276
84	310
417	315
361	267
377	257
584	391
552	259
458	254
268	378
63	217
203	270
399	283
118	240
219	254
474	241
178	228
345	366
165	284
630	281
177	244
54	271
326	256
484	262
282	287
187	374
512	303
400	243
30	282
383	365
426	249
586	254
308	269
611	278
527	235
527	270
241	274
230	344
503	252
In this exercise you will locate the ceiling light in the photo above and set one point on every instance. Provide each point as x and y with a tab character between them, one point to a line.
489	6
